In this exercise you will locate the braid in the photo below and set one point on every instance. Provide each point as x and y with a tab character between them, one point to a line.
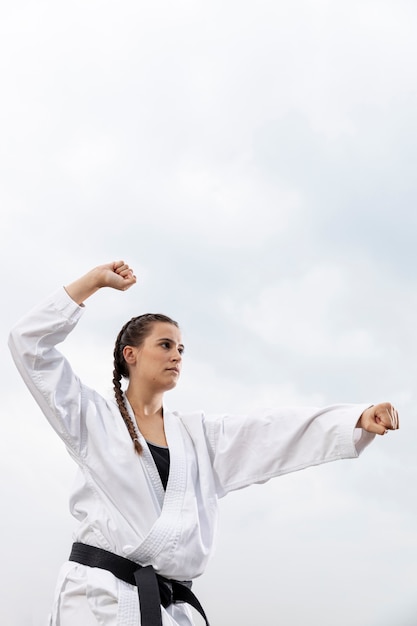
123	410
133	333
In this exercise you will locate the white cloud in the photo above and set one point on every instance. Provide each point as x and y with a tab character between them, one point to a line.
302	314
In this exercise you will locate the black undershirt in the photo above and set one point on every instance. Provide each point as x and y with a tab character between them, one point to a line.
160	455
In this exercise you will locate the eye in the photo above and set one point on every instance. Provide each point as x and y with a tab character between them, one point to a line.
169	345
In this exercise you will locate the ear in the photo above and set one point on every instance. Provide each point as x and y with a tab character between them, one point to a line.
130	354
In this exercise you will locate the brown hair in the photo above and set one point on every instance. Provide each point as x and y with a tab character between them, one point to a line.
133	333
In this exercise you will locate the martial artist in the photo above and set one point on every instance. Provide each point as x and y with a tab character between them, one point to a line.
149	479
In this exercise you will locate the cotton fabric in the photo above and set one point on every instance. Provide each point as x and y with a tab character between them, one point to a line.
119	500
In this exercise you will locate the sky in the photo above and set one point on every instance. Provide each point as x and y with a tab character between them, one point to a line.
255	164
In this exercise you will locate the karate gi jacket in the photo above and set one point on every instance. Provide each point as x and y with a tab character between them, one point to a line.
118	498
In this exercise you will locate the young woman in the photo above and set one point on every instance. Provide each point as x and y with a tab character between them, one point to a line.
149	479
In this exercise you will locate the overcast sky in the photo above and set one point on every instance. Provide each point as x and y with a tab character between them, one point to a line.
255	162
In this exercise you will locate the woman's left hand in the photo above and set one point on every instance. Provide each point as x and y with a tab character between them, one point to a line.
379	419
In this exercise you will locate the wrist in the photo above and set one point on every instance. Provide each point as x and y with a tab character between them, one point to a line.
84	287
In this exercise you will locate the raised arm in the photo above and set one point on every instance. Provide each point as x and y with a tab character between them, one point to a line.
117	275
47	373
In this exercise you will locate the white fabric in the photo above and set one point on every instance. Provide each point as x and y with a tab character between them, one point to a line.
119	500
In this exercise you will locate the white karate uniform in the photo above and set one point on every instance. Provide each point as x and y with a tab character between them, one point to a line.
119	500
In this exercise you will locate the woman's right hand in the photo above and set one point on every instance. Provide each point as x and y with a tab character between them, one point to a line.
117	275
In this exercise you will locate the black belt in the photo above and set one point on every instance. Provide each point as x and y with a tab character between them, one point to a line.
153	589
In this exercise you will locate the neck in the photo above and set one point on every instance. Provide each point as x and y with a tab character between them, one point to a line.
149	416
144	405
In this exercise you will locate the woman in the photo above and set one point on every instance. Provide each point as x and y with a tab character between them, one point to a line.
149	480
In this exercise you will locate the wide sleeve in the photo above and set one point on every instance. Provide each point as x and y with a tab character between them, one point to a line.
46	372
253	448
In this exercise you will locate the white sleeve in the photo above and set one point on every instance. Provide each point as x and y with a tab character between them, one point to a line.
46	372
254	448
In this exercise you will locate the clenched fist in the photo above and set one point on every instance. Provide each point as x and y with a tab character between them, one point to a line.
379	419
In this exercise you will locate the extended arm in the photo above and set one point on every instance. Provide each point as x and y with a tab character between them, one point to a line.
253	448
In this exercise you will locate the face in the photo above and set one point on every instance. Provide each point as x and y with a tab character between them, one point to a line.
157	362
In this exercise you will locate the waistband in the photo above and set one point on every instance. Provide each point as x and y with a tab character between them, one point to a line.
154	590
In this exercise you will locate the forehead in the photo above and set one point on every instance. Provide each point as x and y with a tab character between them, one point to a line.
164	330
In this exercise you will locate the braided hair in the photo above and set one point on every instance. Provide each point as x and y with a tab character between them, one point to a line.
133	333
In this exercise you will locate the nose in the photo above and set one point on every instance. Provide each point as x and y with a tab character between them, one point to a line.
177	356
